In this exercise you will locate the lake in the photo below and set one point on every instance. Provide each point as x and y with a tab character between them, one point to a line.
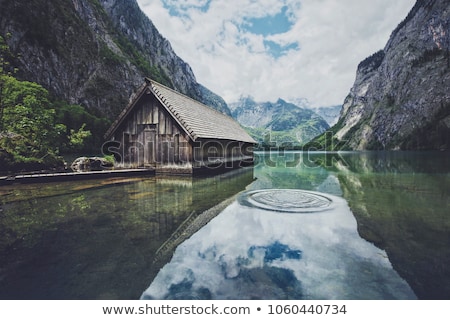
353	225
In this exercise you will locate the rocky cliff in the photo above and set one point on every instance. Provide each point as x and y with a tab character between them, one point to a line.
94	52
283	122
401	97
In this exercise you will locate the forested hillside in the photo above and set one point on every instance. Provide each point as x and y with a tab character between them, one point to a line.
76	64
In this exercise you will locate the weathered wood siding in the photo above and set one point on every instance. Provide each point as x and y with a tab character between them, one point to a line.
150	137
213	152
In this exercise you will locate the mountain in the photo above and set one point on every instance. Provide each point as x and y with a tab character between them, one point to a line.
329	114
213	100
287	123
401	97
94	53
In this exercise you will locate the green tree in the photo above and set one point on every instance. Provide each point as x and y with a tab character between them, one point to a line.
78	137
29	135
28	131
83	124
32	133
4	55
26	111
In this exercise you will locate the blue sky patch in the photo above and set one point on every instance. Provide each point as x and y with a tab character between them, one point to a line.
178	8
269	25
276	50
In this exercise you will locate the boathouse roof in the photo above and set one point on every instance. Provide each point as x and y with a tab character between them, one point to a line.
198	120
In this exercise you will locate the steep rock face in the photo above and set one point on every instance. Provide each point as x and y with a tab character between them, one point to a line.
211	99
401	97
132	22
286	122
93	52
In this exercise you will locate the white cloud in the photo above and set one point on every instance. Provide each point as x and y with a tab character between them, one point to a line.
333	37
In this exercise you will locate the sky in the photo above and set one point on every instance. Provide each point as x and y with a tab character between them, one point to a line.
270	49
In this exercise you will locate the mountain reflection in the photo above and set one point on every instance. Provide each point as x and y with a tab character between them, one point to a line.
401	203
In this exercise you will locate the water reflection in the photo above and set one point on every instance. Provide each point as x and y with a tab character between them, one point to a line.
287	200
397	201
108	239
294	170
97	239
273	255
401	201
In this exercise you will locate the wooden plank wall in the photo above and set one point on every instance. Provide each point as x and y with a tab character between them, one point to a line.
150	137
206	150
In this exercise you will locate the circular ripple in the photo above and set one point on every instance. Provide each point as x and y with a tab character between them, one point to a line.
286	200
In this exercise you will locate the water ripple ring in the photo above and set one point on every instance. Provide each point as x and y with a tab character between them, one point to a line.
286	200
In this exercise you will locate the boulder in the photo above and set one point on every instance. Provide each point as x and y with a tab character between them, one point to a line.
83	164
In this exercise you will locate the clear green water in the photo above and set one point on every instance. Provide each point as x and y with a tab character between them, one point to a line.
387	235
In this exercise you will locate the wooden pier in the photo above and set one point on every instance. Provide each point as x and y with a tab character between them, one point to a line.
72	176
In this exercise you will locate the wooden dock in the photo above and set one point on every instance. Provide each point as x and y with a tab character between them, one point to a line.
72	176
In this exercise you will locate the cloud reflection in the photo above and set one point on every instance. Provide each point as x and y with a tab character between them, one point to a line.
250	253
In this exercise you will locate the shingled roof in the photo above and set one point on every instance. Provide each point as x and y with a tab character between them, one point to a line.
198	120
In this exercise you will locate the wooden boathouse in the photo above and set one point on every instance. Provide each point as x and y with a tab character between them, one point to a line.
164	130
